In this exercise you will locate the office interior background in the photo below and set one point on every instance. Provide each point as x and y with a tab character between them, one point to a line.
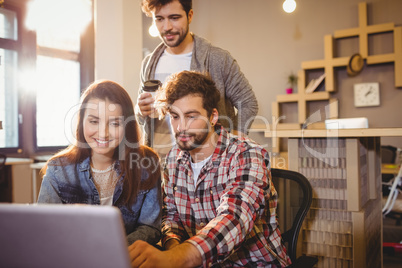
268	43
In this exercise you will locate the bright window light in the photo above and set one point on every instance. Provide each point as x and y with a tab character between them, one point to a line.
58	25
58	92
66	16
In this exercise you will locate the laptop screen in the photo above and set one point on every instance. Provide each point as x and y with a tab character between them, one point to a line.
62	236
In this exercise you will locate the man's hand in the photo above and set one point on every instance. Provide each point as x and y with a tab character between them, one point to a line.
144	104
144	255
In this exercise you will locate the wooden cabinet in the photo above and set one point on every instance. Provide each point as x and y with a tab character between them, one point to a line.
18	174
344	225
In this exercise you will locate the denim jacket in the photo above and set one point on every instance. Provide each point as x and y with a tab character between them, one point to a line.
71	184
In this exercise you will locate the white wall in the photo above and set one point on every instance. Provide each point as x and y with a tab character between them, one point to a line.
118	42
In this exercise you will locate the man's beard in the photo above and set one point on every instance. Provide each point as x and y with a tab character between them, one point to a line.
196	140
179	41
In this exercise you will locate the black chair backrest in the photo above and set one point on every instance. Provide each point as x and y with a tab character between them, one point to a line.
2	160
388	154
291	235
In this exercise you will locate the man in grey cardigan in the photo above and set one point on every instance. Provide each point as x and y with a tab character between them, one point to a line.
183	50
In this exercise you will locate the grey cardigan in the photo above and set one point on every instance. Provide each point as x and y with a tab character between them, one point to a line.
234	87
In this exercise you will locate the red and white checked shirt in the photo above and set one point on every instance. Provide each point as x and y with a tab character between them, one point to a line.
230	216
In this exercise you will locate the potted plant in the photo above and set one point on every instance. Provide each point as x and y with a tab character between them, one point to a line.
292	80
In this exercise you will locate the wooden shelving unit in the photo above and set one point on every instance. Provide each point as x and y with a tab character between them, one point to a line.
328	65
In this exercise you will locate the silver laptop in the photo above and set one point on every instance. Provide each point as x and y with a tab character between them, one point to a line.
62	236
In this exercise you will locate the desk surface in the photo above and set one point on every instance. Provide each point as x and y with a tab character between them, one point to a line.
38	165
18	161
334	133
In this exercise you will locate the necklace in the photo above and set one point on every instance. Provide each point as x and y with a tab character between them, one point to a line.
102	170
105	182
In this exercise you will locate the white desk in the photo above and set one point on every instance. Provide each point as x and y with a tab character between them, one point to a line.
17	161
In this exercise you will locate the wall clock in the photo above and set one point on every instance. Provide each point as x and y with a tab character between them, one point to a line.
367	94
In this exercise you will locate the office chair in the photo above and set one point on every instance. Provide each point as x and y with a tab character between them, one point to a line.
391	183
388	156
5	181
290	236
2	160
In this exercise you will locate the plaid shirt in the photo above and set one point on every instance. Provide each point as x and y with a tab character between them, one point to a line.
230	216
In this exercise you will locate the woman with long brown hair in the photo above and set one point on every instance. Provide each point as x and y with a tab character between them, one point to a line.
106	165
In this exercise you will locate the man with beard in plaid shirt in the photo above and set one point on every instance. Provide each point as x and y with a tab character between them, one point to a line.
219	200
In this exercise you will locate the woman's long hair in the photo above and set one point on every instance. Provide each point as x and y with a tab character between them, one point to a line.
133	156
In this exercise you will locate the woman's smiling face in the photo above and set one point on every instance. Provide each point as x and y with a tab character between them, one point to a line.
103	126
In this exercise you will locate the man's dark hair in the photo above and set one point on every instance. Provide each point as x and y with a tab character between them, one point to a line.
182	84
150	5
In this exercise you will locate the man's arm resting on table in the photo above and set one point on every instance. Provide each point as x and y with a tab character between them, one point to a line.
183	255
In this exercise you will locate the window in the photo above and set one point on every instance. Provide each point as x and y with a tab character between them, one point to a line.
58	85
58	91
8	78
41	84
58	67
